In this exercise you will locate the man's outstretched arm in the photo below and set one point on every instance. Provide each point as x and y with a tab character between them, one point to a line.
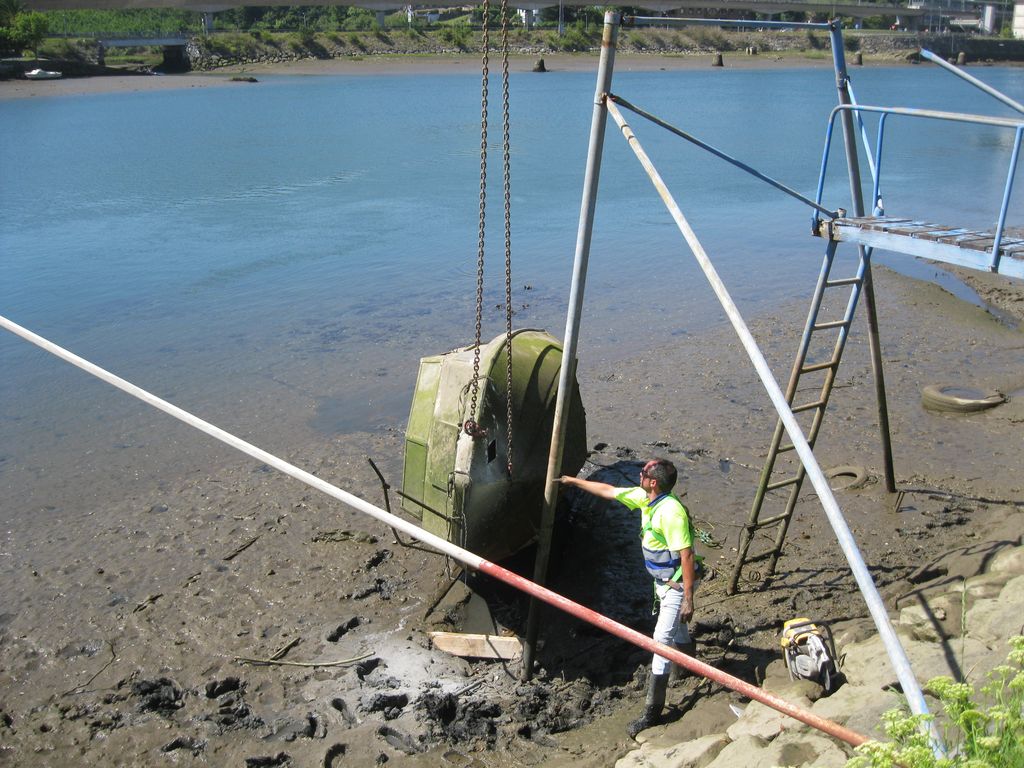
601	490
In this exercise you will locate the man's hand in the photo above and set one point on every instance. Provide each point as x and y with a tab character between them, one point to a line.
687	610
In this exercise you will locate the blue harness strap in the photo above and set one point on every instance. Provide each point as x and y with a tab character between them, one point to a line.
664	564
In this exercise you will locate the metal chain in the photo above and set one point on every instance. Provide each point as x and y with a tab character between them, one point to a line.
471	427
507	168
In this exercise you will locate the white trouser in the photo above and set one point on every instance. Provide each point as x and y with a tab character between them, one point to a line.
669	629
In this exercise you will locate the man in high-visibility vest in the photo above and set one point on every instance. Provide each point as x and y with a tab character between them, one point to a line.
667	542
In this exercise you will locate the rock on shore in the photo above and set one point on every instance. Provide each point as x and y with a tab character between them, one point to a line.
928	623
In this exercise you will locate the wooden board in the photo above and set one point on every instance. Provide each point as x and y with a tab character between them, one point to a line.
477	646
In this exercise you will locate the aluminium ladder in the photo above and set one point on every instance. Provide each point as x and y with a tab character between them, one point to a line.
789	475
994	252
963	247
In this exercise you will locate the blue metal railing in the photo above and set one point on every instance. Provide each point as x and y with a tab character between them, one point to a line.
863	131
1016	125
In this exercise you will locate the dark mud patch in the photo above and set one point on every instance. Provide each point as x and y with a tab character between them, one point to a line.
161	695
466	722
311	726
343	629
367	667
217	688
342	707
334	758
280	760
390	705
399	740
233	713
555	708
185	744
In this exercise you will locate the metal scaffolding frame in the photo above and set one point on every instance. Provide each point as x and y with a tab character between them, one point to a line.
605	105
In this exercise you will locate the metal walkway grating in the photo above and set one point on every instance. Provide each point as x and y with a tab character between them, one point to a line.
964	247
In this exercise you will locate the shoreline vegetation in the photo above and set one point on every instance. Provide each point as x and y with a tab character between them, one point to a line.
89	43
401	50
85	56
215	51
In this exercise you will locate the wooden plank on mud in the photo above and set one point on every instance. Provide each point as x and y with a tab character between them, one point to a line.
477	646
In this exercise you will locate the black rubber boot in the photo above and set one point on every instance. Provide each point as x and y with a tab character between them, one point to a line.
656	690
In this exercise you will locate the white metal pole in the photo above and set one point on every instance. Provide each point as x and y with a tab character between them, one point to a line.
844	536
572	325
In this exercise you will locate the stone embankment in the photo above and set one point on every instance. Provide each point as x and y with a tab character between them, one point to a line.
952	624
206	53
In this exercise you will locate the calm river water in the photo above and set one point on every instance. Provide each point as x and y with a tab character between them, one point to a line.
276	258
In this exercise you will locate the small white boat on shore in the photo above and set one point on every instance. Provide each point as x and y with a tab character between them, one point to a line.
42	74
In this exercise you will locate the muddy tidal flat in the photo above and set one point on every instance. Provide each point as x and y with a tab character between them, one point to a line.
229	77
236	617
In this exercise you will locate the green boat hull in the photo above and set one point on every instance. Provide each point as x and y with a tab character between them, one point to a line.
460	485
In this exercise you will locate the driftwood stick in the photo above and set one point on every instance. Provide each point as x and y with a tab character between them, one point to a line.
284	649
471	687
241	549
268	662
147	602
80	688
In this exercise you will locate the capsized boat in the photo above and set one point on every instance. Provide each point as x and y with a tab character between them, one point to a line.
460	485
42	74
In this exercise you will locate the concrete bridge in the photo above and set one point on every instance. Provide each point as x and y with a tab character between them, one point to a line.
173	45
115	41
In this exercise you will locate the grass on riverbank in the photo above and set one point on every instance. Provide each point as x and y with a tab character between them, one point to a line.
232	48
222	49
245	48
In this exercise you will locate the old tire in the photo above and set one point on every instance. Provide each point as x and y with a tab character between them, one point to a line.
847	477
938	397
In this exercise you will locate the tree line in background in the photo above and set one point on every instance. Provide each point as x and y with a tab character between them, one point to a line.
20	29
277	18
296	18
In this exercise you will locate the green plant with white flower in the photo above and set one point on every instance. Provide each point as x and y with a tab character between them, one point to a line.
985	728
